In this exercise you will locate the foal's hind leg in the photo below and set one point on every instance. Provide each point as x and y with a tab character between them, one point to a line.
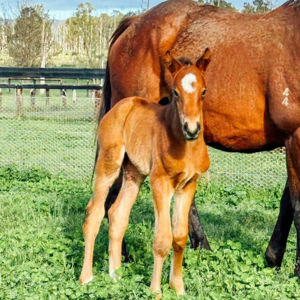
183	200
107	170
119	214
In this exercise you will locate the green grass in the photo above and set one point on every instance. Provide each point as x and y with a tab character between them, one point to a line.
41	243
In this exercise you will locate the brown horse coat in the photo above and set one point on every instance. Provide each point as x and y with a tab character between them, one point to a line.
253	82
145	138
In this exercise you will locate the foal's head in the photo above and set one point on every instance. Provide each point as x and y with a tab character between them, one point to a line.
188	90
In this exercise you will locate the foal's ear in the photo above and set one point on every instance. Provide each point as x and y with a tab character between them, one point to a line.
171	63
204	60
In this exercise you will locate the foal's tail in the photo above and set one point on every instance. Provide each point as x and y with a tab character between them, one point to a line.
106	93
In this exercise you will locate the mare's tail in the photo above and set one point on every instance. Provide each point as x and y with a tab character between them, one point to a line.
106	93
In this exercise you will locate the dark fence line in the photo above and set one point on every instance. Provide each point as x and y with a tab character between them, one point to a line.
55	75
68	73
51	86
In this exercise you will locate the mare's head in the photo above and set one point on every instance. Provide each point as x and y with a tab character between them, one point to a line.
188	90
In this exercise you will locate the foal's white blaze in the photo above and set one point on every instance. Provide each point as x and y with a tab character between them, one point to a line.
187	82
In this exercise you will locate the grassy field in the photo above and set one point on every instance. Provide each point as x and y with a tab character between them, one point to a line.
41	243
46	162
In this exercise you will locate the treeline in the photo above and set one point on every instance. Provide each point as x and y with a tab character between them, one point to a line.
32	39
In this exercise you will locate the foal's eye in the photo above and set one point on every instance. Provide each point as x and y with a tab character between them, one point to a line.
175	93
203	93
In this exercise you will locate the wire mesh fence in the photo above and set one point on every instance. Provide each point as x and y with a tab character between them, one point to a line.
58	134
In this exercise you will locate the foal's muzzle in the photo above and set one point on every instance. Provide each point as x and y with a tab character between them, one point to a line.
191	131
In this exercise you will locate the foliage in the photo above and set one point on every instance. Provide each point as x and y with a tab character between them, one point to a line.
41	245
219	3
257	6
29	39
88	34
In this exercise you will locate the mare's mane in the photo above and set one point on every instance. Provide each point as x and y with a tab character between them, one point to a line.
124	24
294	3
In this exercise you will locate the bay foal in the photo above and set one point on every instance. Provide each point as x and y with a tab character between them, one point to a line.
165	142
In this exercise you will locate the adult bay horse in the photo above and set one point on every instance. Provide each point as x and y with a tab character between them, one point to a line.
253	82
145	138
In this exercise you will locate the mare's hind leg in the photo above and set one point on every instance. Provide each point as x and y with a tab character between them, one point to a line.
107	170
292	144
183	200
275	251
196	232
119	214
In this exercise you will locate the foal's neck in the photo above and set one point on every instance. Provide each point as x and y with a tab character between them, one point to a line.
172	120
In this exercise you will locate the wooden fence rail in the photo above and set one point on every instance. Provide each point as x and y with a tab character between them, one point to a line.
37	78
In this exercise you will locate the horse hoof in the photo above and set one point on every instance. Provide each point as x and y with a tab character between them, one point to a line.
273	260
84	281
114	276
297	270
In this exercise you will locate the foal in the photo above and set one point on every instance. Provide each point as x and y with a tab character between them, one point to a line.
165	142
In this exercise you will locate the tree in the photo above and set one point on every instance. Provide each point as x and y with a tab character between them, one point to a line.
257	6
29	41
82	32
87	35
219	3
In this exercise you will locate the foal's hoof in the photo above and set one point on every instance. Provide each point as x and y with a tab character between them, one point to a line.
115	277
85	279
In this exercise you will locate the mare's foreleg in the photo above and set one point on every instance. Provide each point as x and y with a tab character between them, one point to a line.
119	214
183	200
276	248
106	171
162	191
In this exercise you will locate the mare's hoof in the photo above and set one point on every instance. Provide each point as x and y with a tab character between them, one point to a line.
273	259
297	270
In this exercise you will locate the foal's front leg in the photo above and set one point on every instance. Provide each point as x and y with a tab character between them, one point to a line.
162	191
183	200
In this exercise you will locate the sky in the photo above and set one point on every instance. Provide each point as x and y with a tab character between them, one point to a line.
62	9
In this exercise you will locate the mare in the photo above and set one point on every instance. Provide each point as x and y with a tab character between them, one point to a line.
253	83
145	138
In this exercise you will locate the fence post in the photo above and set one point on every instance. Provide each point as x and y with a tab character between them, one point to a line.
1	99
74	96
47	96
64	97
32	98
98	102
87	91
19	101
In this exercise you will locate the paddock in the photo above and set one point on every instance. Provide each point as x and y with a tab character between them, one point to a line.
46	162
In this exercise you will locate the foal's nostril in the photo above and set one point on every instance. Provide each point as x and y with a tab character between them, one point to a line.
186	127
